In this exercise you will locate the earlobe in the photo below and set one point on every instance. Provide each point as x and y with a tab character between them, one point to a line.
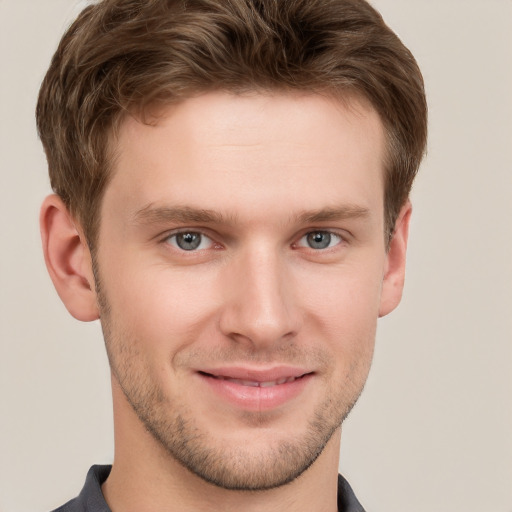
394	276
68	260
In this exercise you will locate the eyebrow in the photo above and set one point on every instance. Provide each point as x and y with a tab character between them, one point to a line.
333	214
182	214
152	214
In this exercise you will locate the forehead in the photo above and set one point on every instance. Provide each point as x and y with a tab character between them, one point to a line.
221	145
256	116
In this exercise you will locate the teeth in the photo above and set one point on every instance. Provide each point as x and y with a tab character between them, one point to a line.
251	383
256	384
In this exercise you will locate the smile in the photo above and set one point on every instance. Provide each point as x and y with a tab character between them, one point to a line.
254	390
258	384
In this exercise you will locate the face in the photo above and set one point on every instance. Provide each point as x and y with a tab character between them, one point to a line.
240	266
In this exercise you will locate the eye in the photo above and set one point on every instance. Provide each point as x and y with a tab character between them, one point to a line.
319	240
189	241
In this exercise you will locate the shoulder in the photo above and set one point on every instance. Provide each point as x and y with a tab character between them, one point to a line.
90	498
71	506
347	501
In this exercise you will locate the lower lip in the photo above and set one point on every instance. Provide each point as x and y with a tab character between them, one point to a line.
254	398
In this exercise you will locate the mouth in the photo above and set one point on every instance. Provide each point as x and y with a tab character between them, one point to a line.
256	383
257	390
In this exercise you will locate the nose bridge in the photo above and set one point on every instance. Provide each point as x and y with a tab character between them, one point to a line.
260	306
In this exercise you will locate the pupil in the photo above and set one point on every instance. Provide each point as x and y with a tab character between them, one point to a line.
188	241
319	240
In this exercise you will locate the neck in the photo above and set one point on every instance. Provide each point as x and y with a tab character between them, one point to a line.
145	477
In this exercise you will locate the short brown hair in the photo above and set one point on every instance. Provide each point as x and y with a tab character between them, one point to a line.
121	56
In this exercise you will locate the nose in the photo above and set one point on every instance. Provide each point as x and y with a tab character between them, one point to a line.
260	307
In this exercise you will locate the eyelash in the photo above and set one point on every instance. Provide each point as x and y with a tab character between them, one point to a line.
331	234
203	236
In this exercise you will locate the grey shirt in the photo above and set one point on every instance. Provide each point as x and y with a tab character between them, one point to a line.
91	498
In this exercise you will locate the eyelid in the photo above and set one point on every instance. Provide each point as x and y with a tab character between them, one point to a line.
173	233
342	235
176	231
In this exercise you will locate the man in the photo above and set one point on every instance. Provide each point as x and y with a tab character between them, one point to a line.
231	186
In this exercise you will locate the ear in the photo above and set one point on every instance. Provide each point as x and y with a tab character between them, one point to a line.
394	274
68	260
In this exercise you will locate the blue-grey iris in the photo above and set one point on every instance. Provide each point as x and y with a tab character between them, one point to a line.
319	239
188	241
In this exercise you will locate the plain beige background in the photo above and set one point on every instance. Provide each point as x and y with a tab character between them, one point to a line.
433	430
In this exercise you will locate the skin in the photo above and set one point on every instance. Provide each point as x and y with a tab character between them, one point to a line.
257	295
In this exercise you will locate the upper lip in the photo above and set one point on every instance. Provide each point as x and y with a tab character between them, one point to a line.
255	374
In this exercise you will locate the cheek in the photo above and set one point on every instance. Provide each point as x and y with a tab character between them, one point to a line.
341	310
157	304
346	297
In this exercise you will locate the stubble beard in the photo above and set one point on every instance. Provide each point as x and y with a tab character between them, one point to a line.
228	466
